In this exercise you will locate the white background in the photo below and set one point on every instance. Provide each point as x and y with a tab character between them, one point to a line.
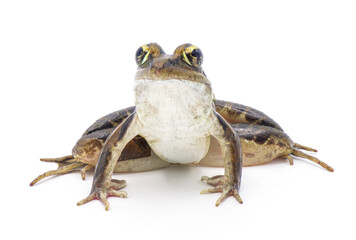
63	64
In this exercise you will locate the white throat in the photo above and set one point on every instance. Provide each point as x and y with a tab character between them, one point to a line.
174	117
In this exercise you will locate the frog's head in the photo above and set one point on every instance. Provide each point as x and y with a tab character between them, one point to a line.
184	64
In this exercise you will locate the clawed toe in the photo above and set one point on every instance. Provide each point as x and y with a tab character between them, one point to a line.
84	170
211	190
87	199
120	194
214	181
102	193
221	185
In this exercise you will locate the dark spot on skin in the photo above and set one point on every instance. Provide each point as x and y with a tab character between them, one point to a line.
261	139
268	156
249	155
248	137
99	134
263	122
250	117
270	141
281	144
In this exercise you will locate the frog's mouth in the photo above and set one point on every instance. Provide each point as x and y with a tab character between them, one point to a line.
171	73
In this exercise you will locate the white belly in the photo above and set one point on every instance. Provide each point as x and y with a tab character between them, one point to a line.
174	115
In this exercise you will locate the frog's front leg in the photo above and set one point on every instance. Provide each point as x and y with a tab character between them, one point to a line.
103	186
229	183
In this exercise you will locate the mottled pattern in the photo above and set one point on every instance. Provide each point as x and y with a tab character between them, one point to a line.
233	161
113	136
259	134
89	146
237	113
261	144
103	170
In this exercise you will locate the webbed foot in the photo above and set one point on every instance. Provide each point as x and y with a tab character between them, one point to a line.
221	184
103	192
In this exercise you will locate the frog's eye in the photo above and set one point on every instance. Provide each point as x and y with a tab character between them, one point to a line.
142	54
193	56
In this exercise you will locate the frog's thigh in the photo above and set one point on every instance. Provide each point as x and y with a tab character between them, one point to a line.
254	151
142	164
238	113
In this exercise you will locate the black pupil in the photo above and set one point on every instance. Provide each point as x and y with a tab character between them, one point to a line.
196	53
139	52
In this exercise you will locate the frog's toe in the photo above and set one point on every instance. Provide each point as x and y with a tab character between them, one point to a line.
229	190
301	154
84	170
290	159
87	199
211	190
62	169
102	193
221	184
214	181
117	184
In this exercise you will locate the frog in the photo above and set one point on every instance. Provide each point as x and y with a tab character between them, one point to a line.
176	120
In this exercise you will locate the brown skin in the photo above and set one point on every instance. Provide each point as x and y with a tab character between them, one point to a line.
228	184
155	65
165	67
260	145
262	139
237	113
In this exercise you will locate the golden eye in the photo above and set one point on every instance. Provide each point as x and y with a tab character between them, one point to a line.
193	56
142	54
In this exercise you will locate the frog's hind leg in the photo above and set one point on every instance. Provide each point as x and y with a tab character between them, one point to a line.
237	113
260	145
66	164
